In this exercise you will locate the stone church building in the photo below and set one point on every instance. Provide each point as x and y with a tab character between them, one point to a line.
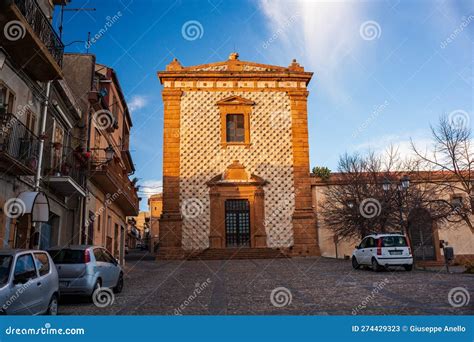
236	158
236	172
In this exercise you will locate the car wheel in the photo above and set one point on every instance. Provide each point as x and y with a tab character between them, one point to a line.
53	306
119	287
408	267
375	265
355	264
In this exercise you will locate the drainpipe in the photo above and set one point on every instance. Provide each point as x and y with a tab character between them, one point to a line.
42	132
40	153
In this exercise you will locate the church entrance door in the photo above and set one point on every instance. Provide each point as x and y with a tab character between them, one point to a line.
237	223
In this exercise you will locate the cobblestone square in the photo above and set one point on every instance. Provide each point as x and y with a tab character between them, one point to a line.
306	286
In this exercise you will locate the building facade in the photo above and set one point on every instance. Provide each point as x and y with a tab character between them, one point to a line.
64	139
236	168
111	195
39	123
155	207
236	159
425	233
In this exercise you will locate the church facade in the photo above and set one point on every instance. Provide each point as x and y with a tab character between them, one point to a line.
236	170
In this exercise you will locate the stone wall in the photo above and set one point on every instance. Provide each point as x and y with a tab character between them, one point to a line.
269	156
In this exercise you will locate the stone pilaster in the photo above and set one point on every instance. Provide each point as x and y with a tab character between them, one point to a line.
171	220
304	222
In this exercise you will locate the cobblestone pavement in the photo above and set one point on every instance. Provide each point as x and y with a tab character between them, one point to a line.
303	286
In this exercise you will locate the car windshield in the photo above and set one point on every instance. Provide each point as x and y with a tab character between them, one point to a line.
5	265
394	241
67	256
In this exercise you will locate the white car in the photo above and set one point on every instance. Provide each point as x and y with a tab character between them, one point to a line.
383	250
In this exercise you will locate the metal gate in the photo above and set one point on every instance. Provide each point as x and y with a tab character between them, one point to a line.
237	223
421	235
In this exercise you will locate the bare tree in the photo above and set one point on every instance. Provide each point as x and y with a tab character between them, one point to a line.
367	195
452	164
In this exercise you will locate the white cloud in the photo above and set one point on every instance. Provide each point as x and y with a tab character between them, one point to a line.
150	187
402	142
325	33
137	102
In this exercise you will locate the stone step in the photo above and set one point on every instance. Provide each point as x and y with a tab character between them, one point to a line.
237	253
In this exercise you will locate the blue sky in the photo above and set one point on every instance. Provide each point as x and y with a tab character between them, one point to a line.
383	70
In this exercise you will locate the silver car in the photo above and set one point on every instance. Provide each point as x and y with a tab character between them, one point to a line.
83	269
28	283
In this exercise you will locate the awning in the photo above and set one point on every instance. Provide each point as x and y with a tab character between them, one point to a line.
34	203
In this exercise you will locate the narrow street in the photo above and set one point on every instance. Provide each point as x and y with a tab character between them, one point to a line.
316	286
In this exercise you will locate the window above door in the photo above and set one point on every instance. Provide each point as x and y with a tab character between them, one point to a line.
235	121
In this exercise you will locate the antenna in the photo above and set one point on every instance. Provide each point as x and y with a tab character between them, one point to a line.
61	18
88	41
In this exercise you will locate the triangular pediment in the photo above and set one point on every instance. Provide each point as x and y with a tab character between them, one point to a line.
235	100
235	65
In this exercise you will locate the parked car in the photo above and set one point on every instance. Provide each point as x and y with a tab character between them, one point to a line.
383	250
83	269
28	283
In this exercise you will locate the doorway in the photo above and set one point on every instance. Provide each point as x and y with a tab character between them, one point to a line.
420	226
237	223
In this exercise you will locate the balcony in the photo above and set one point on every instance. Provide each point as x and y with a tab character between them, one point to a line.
112	178
27	35
18	147
67	176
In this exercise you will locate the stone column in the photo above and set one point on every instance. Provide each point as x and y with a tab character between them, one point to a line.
171	220
304	221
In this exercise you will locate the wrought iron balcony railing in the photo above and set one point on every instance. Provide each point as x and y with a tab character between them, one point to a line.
42	27
65	163
17	141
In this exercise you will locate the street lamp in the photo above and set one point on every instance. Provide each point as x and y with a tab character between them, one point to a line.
350	204
109	153
405	182
402	188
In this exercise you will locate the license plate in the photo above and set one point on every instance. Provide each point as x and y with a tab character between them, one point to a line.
63	283
395	252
